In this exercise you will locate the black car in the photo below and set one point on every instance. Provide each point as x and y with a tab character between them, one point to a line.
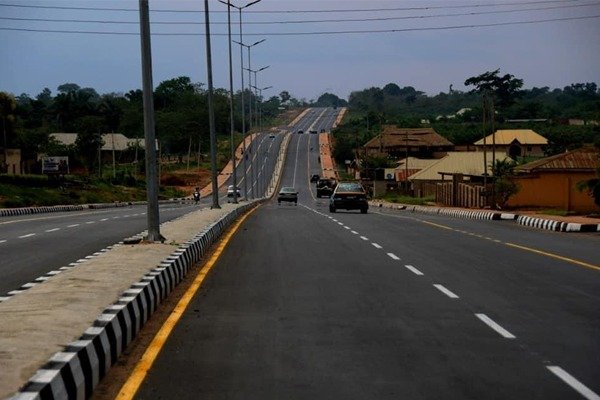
313	131
314	178
325	187
289	194
300	131
349	196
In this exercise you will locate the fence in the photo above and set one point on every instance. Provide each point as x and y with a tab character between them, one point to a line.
460	195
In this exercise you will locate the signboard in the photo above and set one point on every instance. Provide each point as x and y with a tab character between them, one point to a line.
390	174
55	165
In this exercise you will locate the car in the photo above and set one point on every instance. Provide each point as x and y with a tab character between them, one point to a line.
289	194
300	132
272	136
230	191
314	178
349	196
312	131
322	130
325	186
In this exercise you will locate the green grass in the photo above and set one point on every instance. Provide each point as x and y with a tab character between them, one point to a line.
396	198
560	213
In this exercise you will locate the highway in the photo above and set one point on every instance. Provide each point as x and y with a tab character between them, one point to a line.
305	304
34	245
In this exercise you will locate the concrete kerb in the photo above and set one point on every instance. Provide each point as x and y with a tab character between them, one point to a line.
74	372
533	222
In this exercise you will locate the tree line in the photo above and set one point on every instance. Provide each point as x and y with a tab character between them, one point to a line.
181	117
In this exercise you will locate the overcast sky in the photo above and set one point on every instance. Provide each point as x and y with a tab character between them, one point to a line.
554	54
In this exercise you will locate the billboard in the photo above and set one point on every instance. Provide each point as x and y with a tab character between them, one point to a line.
55	165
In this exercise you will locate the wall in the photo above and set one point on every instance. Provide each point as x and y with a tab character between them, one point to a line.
553	190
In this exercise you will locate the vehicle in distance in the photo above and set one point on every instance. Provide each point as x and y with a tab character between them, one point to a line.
289	194
314	178
322	130
349	196
230	191
325	186
300	131
313	131
272	136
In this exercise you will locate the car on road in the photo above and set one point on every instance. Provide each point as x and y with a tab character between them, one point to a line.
314	178
312	131
300	131
230	191
349	196
288	194
325	186
322	130
272	136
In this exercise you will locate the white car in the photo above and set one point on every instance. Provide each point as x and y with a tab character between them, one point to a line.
230	191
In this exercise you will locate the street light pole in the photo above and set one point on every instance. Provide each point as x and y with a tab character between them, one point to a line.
232	127
153	218
211	112
253	191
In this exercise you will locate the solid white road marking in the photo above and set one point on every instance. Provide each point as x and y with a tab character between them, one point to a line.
364	238
26	236
393	256
447	292
489	322
53	230
376	246
413	270
573	382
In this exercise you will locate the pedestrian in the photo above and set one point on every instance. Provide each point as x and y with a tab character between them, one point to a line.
196	195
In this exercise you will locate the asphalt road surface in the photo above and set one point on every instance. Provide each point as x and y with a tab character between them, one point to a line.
305	304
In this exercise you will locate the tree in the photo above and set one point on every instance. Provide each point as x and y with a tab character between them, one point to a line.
285	96
68	88
504	187
503	89
8	106
391	89
89	140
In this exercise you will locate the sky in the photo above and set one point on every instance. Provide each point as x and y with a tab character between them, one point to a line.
375	42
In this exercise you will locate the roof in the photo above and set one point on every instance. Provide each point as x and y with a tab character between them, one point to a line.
121	142
415	163
393	136
467	163
507	136
586	158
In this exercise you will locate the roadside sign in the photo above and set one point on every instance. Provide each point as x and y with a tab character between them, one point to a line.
55	165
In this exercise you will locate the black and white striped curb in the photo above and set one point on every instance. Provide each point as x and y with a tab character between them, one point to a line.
74	372
552	225
9	212
534	222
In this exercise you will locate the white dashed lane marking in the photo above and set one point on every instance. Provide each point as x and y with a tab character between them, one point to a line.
354	232
489	322
91	222
393	256
26	236
573	382
346	227
413	270
364	238
447	292
72	226
2	241
53	230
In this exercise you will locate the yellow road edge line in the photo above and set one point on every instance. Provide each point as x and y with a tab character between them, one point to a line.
436	225
567	259
133	383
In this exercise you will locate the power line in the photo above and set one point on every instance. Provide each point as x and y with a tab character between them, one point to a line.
452	27
294	11
304	21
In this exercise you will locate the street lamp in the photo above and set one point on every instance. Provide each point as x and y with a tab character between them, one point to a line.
250	103
255	94
260	109
229	5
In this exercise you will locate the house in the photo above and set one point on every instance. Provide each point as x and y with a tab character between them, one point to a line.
552	182
410	166
396	143
469	166
515	142
10	161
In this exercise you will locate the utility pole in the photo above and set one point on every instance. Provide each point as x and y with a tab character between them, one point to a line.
232	127
149	134
211	113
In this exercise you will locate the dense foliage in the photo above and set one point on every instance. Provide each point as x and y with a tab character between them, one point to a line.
181	117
